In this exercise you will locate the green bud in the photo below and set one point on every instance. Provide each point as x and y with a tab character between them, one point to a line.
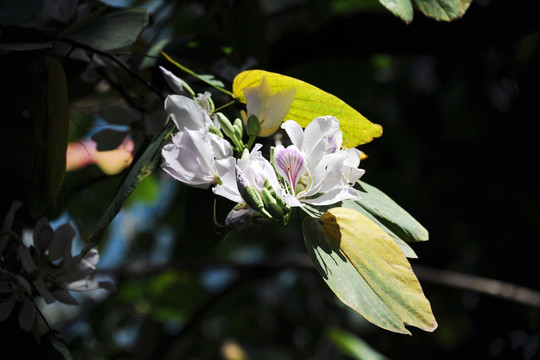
225	124
253	199
214	130
245	155
253	127
275	211
267	197
238	128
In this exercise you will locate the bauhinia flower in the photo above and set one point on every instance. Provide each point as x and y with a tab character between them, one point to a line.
251	180
268	106
314	168
190	157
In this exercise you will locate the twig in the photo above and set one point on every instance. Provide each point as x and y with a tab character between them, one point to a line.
479	284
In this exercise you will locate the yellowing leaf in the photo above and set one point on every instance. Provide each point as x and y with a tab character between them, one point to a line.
311	102
379	261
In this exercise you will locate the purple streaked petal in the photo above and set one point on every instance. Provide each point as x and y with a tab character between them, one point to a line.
289	163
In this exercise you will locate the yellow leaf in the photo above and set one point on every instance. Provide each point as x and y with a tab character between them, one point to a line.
311	102
379	260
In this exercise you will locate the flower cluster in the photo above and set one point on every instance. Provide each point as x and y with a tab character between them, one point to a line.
208	151
46	268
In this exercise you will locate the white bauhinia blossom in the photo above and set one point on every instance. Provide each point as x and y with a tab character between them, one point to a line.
191	155
322	136
253	170
315	169
268	106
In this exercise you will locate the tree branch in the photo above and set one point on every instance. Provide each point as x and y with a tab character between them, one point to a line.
447	278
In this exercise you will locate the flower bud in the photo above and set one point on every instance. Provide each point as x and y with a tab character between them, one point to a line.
225	124
238	129
214	130
253	127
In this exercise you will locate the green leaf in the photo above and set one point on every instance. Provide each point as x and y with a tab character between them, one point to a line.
83	23
342	277
443	10
405	248
114	30
351	345
366	269
401	8
311	102
139	170
52	132
389	213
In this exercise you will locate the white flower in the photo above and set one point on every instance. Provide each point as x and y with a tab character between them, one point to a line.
255	171
270	108
322	136
315	169
191	157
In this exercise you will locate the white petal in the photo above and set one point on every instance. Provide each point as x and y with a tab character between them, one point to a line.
275	110
295	133
186	113
221	148
256	96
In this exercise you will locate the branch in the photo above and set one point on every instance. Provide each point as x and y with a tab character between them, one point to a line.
447	278
479	284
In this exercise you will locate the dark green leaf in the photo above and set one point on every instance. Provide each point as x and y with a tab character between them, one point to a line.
140	168
114	30
52	138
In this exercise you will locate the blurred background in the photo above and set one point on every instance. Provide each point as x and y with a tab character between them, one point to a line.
457	102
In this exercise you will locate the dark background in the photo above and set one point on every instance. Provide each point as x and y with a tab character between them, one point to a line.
458	104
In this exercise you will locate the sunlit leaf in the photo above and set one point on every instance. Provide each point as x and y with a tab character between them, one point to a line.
311	102
444	10
344	280
389	213
401	8
366	269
